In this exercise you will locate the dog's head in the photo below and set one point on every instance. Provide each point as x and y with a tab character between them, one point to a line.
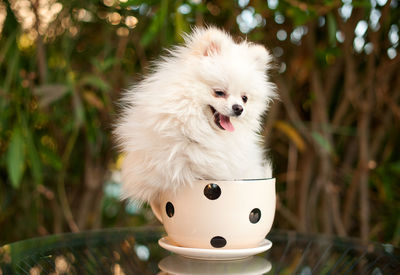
229	78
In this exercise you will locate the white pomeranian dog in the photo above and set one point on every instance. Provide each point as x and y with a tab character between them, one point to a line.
196	116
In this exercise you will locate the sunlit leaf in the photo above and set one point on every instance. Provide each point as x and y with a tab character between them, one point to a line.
180	25
292	134
93	100
361	4
16	157
119	161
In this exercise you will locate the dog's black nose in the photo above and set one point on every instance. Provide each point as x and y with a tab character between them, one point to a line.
237	109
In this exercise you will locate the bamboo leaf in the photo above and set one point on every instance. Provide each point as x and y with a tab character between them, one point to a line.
332	27
16	157
33	156
292	134
151	31
156	25
323	142
103	66
180	24
93	100
78	110
12	69
96	82
50	93
7	46
395	167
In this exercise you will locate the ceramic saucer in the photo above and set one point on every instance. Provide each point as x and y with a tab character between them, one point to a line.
214	254
175	264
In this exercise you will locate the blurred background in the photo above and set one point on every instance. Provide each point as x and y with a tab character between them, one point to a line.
333	135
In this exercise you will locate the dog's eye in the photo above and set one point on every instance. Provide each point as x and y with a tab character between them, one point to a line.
244	98
219	93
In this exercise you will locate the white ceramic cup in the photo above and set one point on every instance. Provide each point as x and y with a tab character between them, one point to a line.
218	214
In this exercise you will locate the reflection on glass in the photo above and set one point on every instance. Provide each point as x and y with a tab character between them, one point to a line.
175	264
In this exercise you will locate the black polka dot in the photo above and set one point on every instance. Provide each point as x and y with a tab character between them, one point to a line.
169	208
218	242
255	215
212	191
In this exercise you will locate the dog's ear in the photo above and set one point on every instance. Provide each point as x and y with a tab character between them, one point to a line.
207	42
261	56
212	48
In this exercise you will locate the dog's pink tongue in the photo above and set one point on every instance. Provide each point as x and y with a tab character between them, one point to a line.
226	123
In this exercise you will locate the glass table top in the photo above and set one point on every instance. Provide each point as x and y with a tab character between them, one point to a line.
136	251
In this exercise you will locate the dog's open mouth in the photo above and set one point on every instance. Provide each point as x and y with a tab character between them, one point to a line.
223	122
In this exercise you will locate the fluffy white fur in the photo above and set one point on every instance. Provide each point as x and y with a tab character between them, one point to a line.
167	130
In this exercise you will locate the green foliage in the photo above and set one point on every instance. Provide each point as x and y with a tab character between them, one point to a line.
332	28
16	157
322	142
